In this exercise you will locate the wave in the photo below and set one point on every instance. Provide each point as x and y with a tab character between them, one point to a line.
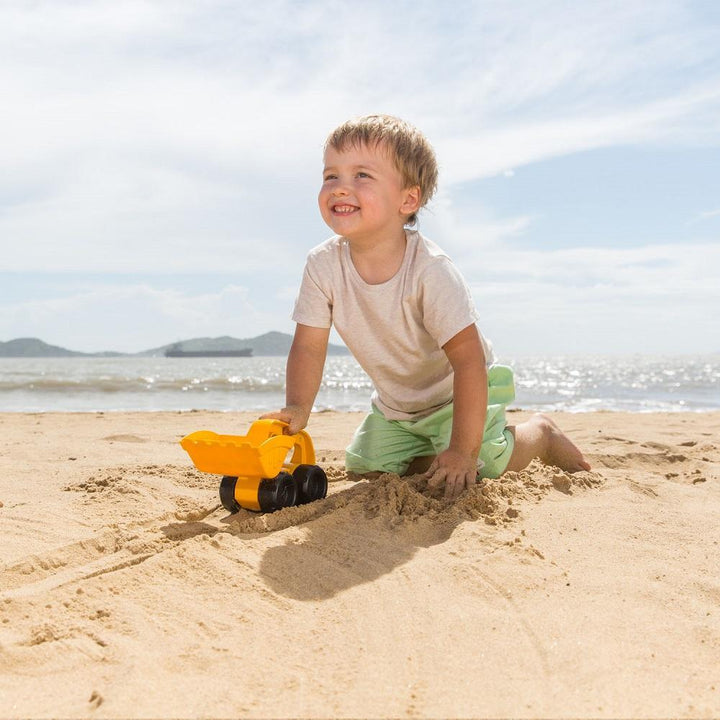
634	384
124	384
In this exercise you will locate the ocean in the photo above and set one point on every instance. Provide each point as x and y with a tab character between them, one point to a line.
576	384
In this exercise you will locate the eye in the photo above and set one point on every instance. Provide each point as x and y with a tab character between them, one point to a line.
363	175
329	176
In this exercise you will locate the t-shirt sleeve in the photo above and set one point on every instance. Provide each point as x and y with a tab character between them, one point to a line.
313	305
447	303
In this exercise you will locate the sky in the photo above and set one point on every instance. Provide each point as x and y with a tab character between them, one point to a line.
161	162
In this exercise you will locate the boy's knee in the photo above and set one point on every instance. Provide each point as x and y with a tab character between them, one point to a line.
542	424
381	445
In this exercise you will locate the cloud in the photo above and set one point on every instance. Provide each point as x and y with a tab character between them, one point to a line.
131	318
708	215
473	233
140	132
652	299
497	150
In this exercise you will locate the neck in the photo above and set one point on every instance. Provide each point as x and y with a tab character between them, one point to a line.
377	261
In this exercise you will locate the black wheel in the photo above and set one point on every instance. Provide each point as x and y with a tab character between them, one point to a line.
312	483
227	494
276	493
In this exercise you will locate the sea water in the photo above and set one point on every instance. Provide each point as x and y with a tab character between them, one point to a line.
257	384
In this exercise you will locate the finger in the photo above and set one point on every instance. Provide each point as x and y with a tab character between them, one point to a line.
451	491
471	480
457	484
294	425
437	478
453	487
283	417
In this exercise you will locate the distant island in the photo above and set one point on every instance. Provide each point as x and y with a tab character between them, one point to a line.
270	344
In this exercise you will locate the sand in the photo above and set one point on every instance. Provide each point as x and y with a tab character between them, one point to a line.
128	591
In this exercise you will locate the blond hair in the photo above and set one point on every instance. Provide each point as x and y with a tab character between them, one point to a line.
411	152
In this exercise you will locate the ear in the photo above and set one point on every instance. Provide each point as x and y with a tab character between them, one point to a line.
411	201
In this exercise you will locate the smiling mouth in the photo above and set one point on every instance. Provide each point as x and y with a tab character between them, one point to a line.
344	209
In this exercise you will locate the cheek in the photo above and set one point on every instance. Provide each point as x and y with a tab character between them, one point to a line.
323	205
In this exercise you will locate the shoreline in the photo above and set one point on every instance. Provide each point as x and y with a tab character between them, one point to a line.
250	414
128	591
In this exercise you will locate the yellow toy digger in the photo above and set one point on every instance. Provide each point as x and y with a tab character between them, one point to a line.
257	474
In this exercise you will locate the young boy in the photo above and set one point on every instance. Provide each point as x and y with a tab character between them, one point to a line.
406	314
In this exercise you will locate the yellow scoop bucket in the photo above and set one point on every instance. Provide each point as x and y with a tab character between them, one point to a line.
258	473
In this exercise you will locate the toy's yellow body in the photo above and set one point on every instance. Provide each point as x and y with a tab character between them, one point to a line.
248	460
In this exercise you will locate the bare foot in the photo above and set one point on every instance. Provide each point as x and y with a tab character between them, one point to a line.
562	451
540	437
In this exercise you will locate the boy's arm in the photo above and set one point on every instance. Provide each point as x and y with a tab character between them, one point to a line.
457	466
303	376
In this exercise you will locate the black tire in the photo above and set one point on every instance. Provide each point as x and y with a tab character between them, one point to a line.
227	494
311	482
277	492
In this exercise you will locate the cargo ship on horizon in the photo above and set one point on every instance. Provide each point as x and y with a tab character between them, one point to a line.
175	351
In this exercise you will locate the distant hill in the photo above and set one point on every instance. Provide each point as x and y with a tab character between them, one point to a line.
32	347
269	344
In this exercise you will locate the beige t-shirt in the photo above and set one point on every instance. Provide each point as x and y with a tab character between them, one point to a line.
396	329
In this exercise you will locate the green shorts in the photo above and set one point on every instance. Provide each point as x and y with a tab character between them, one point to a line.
391	445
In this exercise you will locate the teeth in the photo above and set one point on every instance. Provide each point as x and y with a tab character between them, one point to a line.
344	209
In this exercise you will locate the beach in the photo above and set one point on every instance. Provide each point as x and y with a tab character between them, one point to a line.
128	591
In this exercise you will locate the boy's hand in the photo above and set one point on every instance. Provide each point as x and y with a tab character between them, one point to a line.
457	470
294	415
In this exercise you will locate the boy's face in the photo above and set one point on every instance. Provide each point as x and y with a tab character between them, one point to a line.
362	196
